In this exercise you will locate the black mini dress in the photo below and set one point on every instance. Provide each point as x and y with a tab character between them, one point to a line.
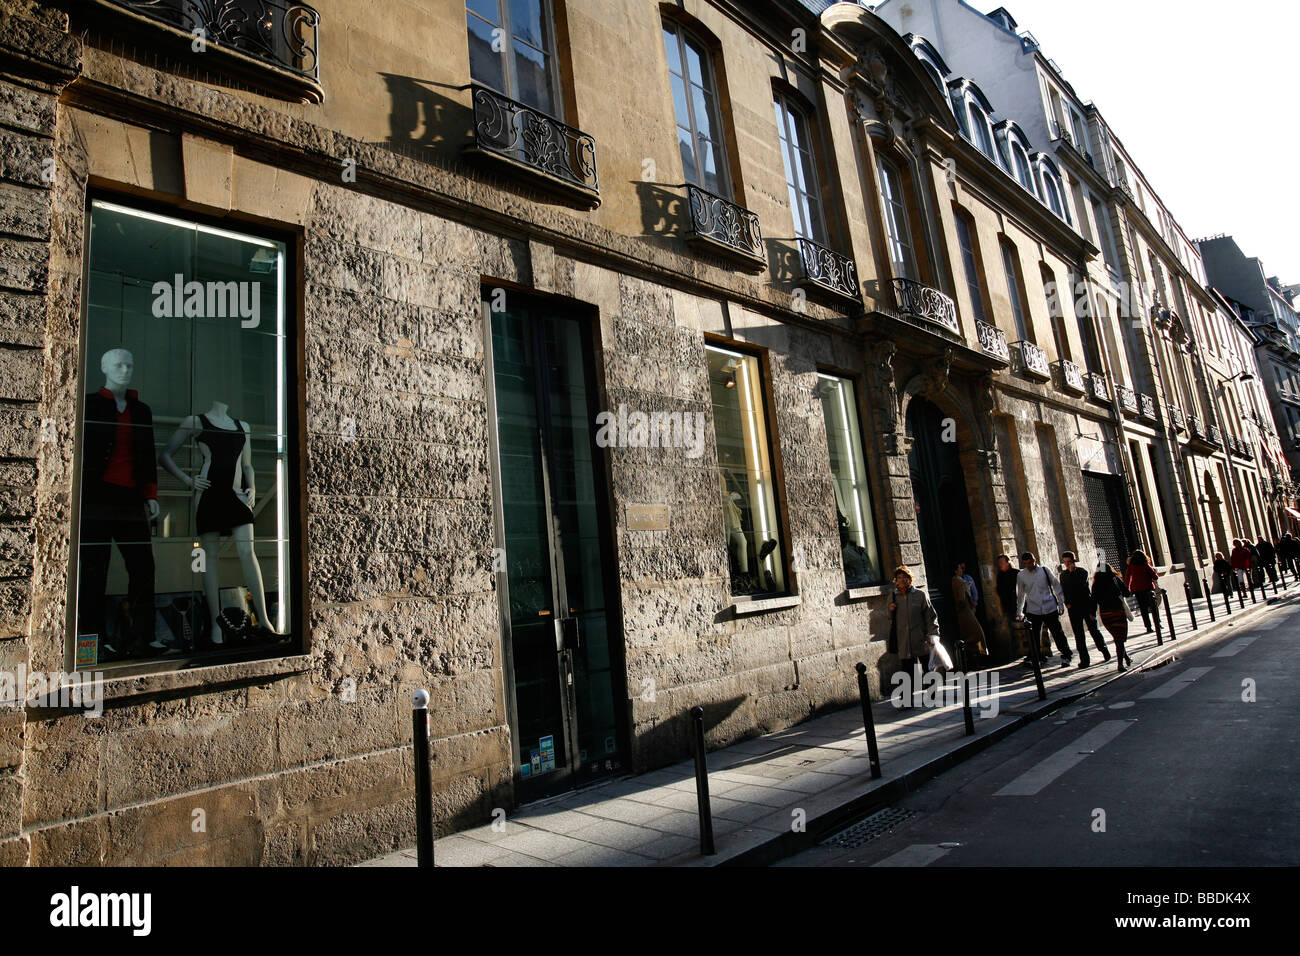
220	508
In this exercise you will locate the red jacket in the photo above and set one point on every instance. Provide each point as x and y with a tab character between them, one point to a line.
1140	577
1241	558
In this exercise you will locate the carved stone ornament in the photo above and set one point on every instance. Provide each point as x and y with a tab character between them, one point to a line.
936	376
885	386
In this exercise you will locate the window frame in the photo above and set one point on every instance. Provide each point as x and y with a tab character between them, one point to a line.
508	69
1016	290
793	116
182	671
896	214
870	524
968	248
712	87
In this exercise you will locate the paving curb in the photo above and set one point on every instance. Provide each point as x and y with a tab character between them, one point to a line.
880	796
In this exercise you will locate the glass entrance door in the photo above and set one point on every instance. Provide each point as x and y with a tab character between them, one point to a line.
553	520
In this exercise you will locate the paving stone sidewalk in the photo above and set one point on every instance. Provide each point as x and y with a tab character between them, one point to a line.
816	773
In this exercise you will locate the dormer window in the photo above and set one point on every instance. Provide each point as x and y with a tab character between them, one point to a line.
1015	154
1053	189
974	116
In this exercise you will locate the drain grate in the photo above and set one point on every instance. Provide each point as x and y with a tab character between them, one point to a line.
878	824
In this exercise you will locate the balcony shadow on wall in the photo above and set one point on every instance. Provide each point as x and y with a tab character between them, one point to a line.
427	123
664	217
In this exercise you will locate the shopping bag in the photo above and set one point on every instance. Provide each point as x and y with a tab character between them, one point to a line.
1130	607
940	660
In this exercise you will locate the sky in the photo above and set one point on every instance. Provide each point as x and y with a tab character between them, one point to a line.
1203	97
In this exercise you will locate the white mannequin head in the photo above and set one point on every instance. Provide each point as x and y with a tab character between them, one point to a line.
117	366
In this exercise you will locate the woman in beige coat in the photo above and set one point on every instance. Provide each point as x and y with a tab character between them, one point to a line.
914	623
968	625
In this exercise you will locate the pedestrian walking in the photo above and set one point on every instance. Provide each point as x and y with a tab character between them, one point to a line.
1108	592
1240	560
1006	588
1267	559
1082	610
1223	576
1140	578
1286	553
915	624
964	600
1040	602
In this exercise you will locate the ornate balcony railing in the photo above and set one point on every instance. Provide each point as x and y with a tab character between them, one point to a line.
523	136
829	269
721	223
279	33
1127	399
1237	447
1214	436
1194	428
1097	386
1247	452
1147	407
923	302
1033	360
1072	377
993	340
1177	418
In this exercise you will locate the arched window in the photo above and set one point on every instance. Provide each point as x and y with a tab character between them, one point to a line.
800	169
695	104
898	231
512	50
1053	189
979	122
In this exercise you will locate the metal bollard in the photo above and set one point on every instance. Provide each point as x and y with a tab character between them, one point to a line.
1209	599
1241	596
423	779
1168	614
966	713
1250	579
702	785
1273	578
1191	608
1033	659
868	721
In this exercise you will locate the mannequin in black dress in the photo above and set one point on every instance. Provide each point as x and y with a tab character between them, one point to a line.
226	493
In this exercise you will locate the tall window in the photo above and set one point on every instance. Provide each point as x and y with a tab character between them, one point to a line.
858	545
1020	159
695	103
746	482
898	231
1015	287
1104	238
186	368
512	50
970	264
1054	311
979	122
1052	194
800	171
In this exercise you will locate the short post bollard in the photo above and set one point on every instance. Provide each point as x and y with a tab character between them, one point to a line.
702	784
1033	659
1241	596
1164	592
1191	608
423	779
966	714
868	720
1209	599
1273	579
1250	579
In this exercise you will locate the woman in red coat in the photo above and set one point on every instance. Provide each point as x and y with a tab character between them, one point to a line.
1140	578
1241	562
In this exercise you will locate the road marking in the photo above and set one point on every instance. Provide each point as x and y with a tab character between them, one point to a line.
918	854
1171	687
1032	781
1236	647
1121	705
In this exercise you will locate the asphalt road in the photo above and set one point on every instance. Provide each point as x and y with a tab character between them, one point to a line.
1174	766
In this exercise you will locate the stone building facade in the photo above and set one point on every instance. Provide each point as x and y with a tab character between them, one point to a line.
578	396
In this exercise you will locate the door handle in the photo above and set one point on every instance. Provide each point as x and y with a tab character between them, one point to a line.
569	633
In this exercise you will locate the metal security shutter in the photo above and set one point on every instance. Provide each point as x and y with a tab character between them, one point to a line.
1112	528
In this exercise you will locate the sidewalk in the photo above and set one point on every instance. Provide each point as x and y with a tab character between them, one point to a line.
817	772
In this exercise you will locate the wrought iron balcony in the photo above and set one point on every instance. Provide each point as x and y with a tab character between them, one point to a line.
1214	436
526	138
920	301
1127	399
1033	360
1237	447
1147	407
278	33
724	226
1177	418
1097	386
1194	428
829	269
993	340
1072	377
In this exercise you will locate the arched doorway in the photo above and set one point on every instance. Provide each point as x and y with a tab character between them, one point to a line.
942	506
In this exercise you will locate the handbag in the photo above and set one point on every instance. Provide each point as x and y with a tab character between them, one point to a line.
940	659
1130	606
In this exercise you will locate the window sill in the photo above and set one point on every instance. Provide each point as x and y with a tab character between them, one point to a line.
861	594
766	604
200	678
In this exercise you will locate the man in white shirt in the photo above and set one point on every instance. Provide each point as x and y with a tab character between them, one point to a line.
1039	601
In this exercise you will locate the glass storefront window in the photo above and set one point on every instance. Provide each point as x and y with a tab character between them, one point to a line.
858	543
745	478
183	521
